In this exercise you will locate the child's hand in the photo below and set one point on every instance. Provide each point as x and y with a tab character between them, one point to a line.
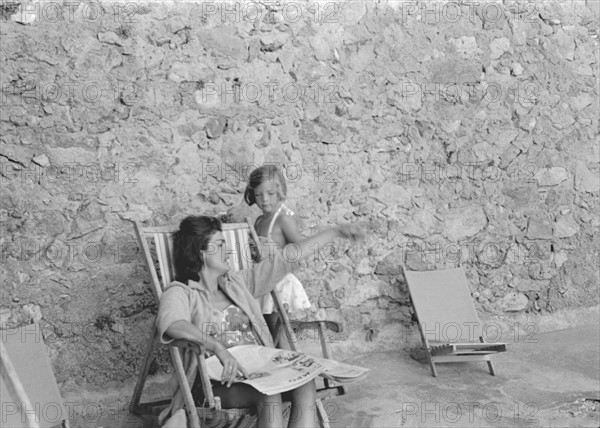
351	231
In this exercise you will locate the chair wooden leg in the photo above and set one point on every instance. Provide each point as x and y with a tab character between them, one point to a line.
193	418
489	363
432	365
325	352
323	418
426	346
139	386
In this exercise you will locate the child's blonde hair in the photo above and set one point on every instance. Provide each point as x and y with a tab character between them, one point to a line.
263	174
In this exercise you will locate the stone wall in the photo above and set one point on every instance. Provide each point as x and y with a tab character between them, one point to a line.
456	134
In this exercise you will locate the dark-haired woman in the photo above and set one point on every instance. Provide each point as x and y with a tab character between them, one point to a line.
209	305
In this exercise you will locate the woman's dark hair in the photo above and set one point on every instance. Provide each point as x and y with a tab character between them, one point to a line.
259	176
189	241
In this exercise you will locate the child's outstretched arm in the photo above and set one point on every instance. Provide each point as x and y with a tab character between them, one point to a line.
308	246
263	277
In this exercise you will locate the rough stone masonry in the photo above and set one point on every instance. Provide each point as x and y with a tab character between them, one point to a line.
458	132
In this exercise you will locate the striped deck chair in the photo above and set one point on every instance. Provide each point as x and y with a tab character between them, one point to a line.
157	248
156	244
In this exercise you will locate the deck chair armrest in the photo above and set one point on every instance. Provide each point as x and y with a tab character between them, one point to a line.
334	326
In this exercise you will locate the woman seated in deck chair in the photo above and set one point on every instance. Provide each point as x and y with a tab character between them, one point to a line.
207	305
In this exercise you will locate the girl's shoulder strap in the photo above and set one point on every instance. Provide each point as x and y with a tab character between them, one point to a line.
283	208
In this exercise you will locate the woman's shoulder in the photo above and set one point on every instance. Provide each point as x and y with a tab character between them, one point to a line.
177	287
176	284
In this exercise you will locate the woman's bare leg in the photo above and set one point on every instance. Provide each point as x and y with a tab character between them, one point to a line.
303	413
270	411
268	407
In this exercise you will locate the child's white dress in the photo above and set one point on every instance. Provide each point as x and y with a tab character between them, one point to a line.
290	289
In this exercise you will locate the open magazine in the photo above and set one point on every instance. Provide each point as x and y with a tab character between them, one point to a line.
272	371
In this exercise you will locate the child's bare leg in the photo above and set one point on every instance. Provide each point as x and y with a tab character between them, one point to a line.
275	323
284	342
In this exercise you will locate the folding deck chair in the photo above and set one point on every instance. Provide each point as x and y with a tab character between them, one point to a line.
157	248
29	394
450	328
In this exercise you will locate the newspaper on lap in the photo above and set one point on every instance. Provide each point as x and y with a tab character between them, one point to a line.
272	371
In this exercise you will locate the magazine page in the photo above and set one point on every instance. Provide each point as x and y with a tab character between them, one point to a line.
341	372
272	371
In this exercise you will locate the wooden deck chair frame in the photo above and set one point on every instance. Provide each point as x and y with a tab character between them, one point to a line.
448	323
236	236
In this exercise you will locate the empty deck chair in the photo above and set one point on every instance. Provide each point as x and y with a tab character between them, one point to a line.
450	328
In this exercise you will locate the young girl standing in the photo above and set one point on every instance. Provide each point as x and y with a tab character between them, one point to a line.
275	226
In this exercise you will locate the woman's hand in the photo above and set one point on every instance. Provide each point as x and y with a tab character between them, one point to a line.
231	367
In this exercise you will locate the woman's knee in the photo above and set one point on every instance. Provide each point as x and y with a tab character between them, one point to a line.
270	399
305	393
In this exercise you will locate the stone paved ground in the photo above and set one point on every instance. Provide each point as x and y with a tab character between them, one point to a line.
552	383
552	380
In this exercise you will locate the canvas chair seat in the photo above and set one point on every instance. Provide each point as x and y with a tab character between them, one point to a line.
157	250
448	323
